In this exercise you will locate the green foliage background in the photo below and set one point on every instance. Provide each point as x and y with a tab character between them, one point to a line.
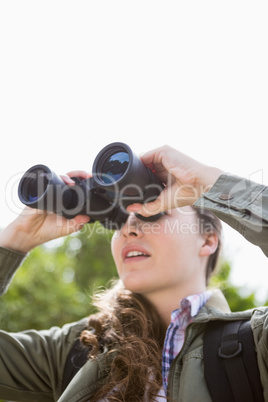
54	285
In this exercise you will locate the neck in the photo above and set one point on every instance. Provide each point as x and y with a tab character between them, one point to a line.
166	303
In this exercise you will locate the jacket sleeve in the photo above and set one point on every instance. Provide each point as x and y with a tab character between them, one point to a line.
9	263
32	362
242	204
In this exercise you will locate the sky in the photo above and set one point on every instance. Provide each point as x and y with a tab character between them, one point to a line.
75	76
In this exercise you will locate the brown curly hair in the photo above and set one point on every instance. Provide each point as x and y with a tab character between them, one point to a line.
132	330
134	333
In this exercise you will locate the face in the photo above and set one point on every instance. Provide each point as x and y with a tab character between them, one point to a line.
160	257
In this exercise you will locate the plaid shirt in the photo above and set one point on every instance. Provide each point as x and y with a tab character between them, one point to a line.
180	319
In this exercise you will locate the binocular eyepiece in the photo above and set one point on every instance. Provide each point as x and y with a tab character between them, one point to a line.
119	179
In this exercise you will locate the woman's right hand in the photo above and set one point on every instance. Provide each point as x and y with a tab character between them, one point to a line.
34	227
185	180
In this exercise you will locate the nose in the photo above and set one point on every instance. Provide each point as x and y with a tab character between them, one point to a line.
132	227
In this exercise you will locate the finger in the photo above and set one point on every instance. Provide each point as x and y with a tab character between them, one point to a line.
81	174
156	155
81	220
74	225
157	160
134	207
148	209
169	198
67	180
150	157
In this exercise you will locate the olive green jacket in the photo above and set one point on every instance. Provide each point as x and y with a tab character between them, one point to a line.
32	362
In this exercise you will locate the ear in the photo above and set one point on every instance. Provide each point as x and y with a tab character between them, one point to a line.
209	245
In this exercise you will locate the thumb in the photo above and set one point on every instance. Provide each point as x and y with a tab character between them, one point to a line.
149	208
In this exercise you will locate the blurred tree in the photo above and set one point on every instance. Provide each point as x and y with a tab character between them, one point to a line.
55	284
94	265
233	294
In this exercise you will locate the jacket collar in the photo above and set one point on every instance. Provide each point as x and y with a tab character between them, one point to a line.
217	308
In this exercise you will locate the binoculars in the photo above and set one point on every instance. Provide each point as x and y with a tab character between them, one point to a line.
119	179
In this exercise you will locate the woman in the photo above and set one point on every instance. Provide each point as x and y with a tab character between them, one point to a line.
159	307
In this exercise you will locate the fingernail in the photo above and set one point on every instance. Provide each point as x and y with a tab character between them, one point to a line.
133	209
70	181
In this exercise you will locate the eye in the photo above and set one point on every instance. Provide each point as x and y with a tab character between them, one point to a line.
151	218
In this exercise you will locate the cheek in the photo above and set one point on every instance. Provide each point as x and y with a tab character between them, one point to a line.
176	248
115	247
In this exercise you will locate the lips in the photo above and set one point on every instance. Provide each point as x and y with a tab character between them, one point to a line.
134	253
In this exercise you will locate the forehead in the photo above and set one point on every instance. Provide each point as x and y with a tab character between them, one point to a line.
183	221
186	213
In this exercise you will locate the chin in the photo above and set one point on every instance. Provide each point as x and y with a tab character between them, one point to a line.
134	285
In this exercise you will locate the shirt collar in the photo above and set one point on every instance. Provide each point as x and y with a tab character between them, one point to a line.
192	304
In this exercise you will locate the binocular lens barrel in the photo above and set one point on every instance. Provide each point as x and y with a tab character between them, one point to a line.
42	189
114	167
34	184
119	179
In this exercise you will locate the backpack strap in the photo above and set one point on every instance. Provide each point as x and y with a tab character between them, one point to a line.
230	362
76	358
